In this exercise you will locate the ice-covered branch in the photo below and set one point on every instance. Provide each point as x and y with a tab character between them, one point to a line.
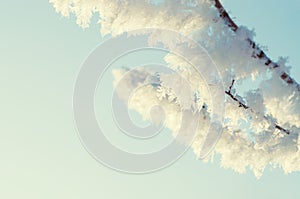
243	105
251	136
257	52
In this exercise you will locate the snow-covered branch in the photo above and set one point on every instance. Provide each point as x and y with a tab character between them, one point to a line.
243	105
251	136
257	52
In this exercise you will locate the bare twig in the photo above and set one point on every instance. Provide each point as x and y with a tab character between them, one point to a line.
234	97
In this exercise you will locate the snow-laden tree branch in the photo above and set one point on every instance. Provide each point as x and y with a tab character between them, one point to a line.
243	105
262	122
257	52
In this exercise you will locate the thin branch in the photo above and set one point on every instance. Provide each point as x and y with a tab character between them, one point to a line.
243	105
257	52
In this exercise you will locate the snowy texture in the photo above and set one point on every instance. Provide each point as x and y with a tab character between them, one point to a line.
262	123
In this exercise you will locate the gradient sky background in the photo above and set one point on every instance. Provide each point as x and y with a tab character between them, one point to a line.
42	157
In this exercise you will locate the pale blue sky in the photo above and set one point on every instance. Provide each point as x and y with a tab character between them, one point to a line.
42	157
